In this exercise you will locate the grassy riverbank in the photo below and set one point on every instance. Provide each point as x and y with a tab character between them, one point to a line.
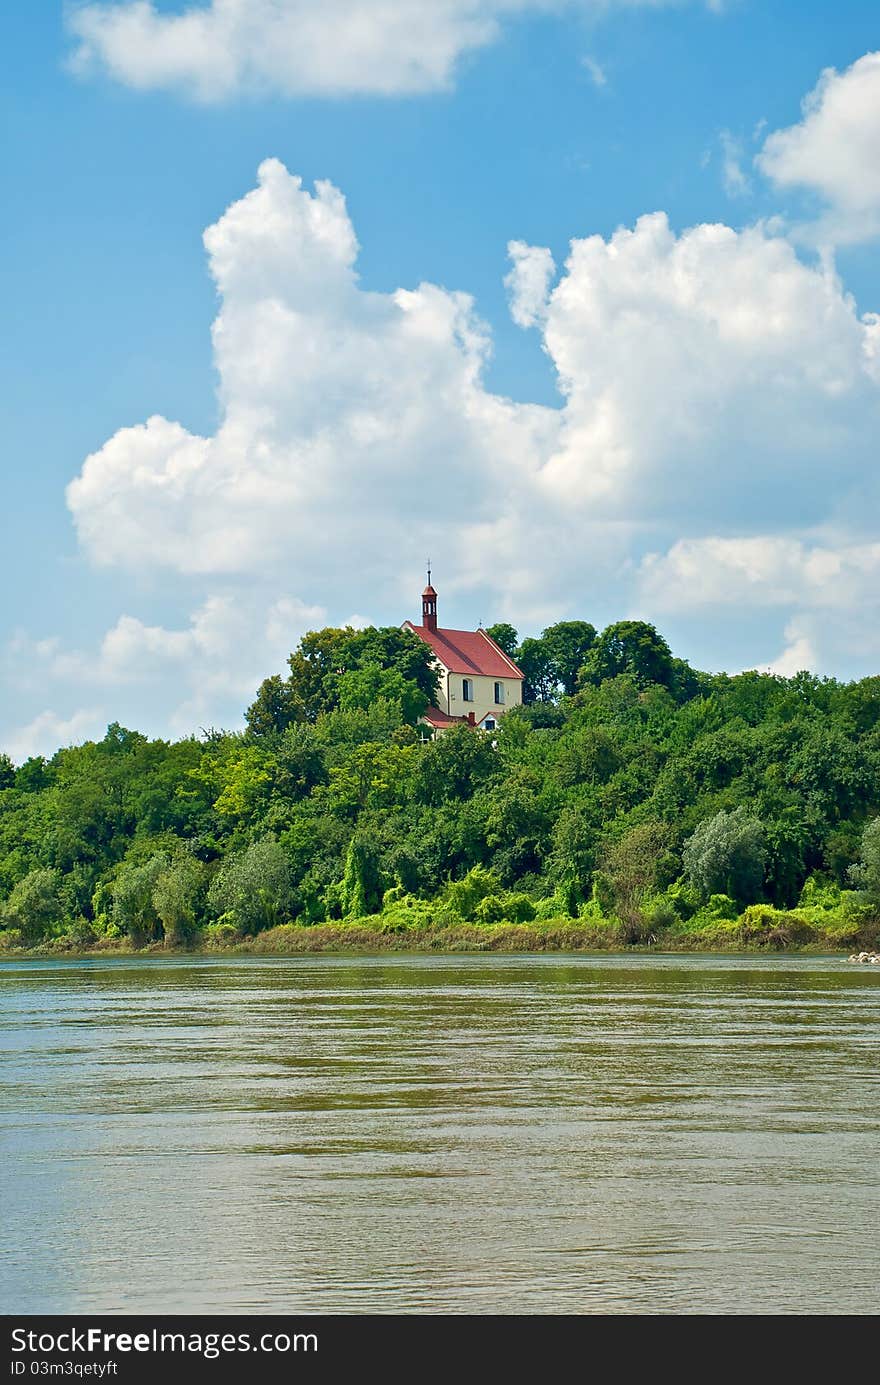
759	929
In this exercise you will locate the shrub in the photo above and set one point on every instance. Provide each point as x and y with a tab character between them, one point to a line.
718	909
404	911
559	905
221	934
505	908
463	896
659	912
768	927
820	894
81	936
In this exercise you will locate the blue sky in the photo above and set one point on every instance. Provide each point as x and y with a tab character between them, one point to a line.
701	468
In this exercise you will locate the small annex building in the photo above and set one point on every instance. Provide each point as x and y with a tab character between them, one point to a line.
478	682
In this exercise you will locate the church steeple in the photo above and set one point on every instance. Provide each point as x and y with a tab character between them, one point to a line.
429	605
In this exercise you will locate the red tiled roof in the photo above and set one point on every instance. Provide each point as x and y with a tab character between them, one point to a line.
438	718
467	651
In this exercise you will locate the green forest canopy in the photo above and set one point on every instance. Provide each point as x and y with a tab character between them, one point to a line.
630	790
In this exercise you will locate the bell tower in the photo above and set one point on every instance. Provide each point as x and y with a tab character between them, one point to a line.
429	605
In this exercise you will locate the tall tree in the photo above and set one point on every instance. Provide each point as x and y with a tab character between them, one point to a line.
567	644
275	707
726	855
631	647
177	896
134	910
505	637
539	674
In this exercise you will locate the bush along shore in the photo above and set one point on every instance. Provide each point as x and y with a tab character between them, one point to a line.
632	802
412	926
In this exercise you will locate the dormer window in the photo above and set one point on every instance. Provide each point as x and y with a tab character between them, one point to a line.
499	694
467	689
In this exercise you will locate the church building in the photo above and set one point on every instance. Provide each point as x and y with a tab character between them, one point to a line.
478	682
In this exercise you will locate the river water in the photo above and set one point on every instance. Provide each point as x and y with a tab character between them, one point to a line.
441	1134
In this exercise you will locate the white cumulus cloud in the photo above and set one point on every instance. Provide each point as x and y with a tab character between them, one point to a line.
711	383
704	375
798	654
216	49
528	282
834	152
354	422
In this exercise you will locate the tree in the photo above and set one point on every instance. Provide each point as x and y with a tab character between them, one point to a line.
369	775
865	875
573	852
454	766
552	663
177	894
253	889
299	762
539	677
859	704
399	651
7	772
632	647
34	775
634	866
505	637
361	688
363	881
243	774
134	911
315	667
726	855
322	661
567	644
588	756
35	905
275	707
517	824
